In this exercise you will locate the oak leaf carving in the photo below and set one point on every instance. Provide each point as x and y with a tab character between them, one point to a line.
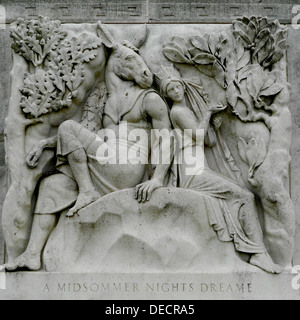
38	94
59	64
35	39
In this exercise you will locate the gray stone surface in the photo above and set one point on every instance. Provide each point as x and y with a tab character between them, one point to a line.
234	219
217	11
294	79
154	12
157	236
150	11
2	196
5	65
78	11
168	286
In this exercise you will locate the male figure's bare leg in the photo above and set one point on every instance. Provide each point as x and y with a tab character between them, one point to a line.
72	137
31	258
87	191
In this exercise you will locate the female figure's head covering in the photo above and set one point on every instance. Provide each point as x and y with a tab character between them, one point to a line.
165	76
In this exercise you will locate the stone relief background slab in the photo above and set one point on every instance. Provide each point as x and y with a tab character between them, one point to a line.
157	12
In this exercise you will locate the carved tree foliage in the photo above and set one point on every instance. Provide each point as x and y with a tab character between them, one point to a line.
258	45
93	109
207	54
252	87
244	64
259	41
35	39
58	62
38	93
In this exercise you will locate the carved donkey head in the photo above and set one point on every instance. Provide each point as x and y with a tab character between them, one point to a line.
125	61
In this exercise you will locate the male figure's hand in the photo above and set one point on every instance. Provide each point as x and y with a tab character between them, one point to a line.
144	190
34	156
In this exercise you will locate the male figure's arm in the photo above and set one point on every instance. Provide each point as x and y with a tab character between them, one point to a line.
157	110
33	157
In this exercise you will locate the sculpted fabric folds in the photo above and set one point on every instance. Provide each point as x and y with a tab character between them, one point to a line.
149	148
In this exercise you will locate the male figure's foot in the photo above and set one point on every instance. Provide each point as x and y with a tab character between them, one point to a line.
27	260
265	262
83	200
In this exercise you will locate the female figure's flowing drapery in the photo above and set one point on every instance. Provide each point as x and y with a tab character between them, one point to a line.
230	207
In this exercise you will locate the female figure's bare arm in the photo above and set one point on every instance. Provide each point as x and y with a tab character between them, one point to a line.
184	118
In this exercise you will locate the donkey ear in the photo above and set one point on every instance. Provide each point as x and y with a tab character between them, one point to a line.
139	38
106	37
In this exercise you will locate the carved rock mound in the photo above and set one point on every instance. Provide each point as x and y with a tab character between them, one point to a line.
171	233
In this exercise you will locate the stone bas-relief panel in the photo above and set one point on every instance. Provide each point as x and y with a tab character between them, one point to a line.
101	286
159	148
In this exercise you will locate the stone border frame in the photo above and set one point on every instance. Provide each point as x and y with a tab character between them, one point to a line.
155	12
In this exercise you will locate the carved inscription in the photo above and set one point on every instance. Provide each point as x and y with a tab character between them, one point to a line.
148	287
